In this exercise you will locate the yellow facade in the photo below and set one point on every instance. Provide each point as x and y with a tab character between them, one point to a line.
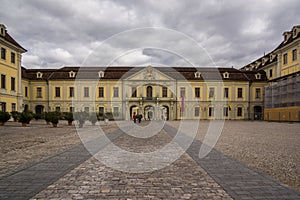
282	66
161	96
283	114
10	79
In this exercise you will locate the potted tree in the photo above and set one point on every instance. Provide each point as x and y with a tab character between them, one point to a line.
48	117
69	117
93	118
81	117
25	117
55	118
4	117
14	115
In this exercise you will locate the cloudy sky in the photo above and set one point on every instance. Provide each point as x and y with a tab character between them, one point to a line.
60	33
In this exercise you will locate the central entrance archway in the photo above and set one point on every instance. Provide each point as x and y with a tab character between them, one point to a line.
149	112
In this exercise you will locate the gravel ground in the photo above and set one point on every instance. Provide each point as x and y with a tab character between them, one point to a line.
267	146
270	147
20	147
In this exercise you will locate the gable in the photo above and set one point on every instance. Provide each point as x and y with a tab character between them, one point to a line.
150	73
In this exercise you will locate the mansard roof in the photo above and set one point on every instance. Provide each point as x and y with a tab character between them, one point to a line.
117	73
11	40
259	64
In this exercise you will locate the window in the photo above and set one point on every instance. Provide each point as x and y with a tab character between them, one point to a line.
12	57
72	109
210	111
239	111
39	92
133	91
13	107
211	92
71	91
3	106
72	74
57	91
116	111
116	92
86	92
258	76
285	59
57	109
226	93
240	93
12	83
149	91
225	75
3	81
197	111
182	92
257	93
3	53
101	111
101	92
270	73
164	91
87	109
39	75
197	74
225	111
101	74
26	91
294	54
197	92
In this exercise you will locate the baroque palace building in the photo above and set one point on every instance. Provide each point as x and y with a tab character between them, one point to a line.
282	67
169	93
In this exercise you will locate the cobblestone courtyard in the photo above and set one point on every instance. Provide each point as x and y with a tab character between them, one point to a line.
249	161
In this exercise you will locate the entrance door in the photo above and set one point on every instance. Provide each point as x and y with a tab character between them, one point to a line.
258	113
39	109
149	112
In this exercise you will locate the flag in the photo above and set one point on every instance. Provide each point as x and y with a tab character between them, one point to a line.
230	106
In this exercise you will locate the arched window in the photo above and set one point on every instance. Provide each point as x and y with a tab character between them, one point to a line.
149	91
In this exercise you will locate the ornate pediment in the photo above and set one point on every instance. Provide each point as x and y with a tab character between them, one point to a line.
151	74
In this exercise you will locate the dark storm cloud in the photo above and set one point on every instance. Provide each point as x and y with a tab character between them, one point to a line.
62	32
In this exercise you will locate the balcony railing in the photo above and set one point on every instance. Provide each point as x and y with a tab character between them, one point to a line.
149	98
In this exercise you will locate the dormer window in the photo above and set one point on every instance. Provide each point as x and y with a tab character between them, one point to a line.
264	60
72	74
101	74
295	32
197	75
258	76
39	75
286	36
225	75
2	29
272	56
257	63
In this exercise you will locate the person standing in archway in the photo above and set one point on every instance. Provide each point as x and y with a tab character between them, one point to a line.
134	117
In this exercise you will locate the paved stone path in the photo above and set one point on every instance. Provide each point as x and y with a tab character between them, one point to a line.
74	175
238	180
25	183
